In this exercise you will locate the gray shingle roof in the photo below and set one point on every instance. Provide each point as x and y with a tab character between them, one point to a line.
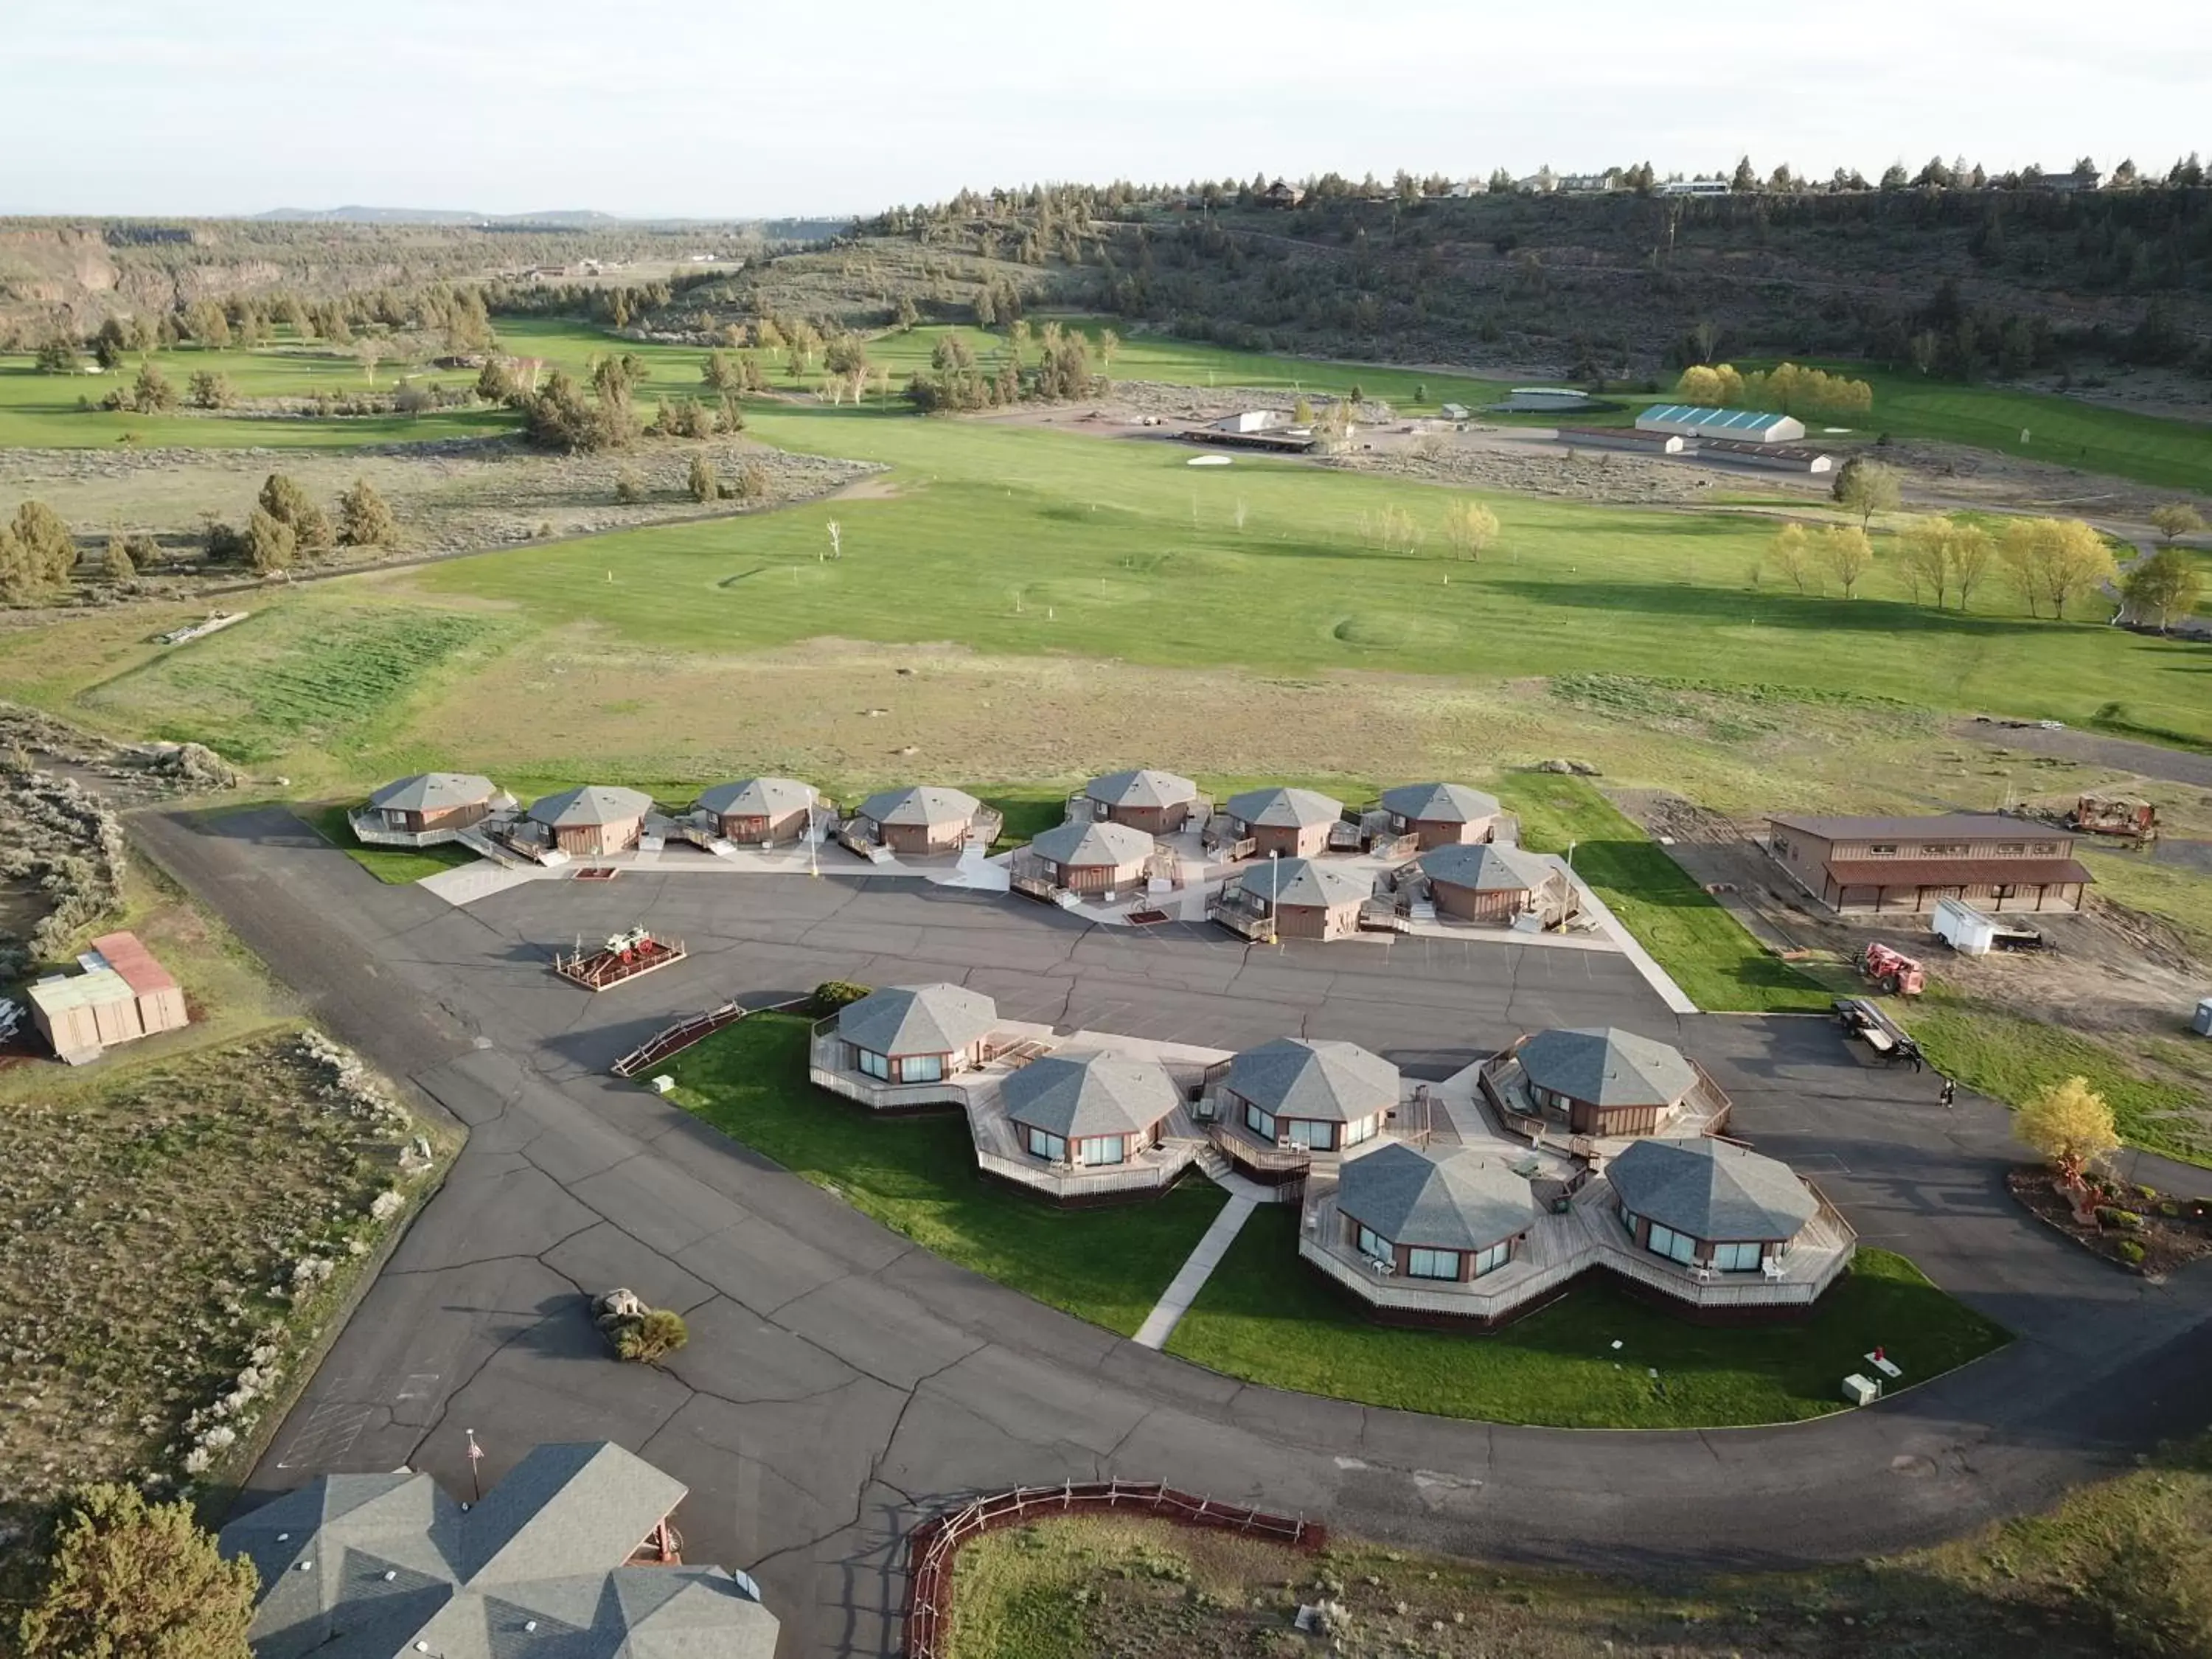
1486	868
767	798
917	1020
433	791
1712	1189
1142	787
384	1566
592	804
1284	809
1304	882
1607	1067
921	805
1440	803
1459	1201
1103	842
1321	1079
1076	1095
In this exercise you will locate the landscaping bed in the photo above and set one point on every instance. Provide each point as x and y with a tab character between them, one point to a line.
2140	1228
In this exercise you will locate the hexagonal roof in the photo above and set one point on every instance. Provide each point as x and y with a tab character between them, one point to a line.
917	1020
763	798
1318	1079
1077	1096
433	791
1142	787
1607	1066
593	805
921	806
1440	803
1304	882
1284	809
1454	1201
1484	868
1712	1189
1090	845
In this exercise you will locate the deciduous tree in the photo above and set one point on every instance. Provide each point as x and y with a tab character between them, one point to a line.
1923	553
2162	587
1470	528
127	1579
1845	550
1867	488
2177	518
1790	552
2069	1126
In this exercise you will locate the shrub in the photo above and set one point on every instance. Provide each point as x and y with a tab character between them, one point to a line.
654	1335
629	489
128	1576
835	993
2119	1220
2132	1253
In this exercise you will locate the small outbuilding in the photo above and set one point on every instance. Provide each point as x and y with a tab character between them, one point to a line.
1157	803
754	811
1089	1110
915	1033
1442	814
1606	1081
1710	1205
429	802
1302	898
122	994
923	819
1101	857
1454	1216
1494	884
1286	822
592	822
1312	1095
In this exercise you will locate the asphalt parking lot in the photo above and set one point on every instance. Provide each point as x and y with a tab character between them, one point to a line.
840	1381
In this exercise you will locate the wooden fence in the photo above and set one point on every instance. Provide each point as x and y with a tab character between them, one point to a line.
931	1549
678	1037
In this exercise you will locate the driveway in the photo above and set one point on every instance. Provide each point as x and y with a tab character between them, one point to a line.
840	1380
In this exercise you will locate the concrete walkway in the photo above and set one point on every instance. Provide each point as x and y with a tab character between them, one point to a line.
1654	976
1190	1278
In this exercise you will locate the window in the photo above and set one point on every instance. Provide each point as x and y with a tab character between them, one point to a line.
1882	849
1491	1260
922	1068
2050	848
1314	1137
2011	848
1736	1258
1372	1243
1103	1149
1261	1123
1943	850
1363	1130
1048	1146
874	1064
1432	1264
1628	1219
1675	1247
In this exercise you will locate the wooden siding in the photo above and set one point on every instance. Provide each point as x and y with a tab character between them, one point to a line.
922	839
1316	921
750	829
599	839
1442	832
1152	820
1309	842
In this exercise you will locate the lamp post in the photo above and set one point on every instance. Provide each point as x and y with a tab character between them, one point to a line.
1275	894
475	1466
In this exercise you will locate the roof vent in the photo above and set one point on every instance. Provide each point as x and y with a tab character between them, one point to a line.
530	1624
389	1575
284	1537
304	1565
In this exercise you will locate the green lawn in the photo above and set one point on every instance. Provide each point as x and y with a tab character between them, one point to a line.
1266	1317
1718	965
917	1176
394	866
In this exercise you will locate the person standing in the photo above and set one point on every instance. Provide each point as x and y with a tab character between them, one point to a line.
1949	1094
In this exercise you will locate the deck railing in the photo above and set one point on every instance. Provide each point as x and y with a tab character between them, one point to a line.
371	831
1154	1168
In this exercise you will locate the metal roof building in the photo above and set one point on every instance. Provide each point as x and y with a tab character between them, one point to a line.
388	1566
1757	426
918	1019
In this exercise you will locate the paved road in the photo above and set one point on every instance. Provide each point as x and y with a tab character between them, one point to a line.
839	1379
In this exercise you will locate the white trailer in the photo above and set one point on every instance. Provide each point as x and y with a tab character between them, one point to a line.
1963	928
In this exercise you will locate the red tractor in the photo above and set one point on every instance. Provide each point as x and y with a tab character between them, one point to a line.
1895	972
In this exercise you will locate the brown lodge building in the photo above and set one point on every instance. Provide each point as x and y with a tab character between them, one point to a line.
1868	867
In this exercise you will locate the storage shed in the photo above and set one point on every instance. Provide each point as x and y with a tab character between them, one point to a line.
1157	803
1442	814
123	994
592	822
1287	823
754	810
1756	426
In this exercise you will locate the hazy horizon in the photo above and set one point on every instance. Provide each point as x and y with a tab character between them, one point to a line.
243	106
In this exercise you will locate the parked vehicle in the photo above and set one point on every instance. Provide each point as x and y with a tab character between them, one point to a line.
1895	972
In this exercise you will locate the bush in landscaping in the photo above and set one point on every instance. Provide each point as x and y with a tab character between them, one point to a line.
652	1335
835	993
2119	1220
2132	1253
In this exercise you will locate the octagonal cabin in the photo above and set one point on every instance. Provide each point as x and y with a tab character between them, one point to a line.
1093	1111
1302	898
1301	1096
922	820
1605	1081
1493	884
915	1033
429	802
1102	857
1157	803
1710	1206
756	811
1452	1216
1442	814
592	822
1285	823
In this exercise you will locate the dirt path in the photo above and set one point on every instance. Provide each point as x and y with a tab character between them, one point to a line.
2147	760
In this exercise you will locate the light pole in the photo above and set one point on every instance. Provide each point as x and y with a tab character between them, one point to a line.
475	1466
1275	895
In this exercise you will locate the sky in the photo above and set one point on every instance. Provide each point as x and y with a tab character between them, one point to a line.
728	108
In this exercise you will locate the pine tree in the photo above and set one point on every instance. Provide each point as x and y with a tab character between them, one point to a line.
284	501
129	1577
364	520
703	484
116	564
47	545
270	545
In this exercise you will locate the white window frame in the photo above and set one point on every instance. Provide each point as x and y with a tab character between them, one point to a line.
1731	1257
1361	1129
1674	1246
1093	1153
1311	1136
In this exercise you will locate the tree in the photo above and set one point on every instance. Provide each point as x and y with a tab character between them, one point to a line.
1845	550
48	547
1973	549
2177	518
906	315
109	343
1470	528
20	577
1301	412
126	1577
2080	561
2069	1126
284	501
371	353
651	1336
752	481
1923	550
364	520
152	393
703	484
496	381
2162	585
210	388
1791	553
1867	488
270	545
1745	177
629	489
57	354
117	565
720	371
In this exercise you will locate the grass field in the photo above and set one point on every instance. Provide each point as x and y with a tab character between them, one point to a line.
394	866
1265	1317
916	1174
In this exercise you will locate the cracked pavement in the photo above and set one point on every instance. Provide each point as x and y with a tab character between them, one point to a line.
840	1382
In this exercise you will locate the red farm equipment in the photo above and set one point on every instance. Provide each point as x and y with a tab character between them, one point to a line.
2121	817
623	957
1895	972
